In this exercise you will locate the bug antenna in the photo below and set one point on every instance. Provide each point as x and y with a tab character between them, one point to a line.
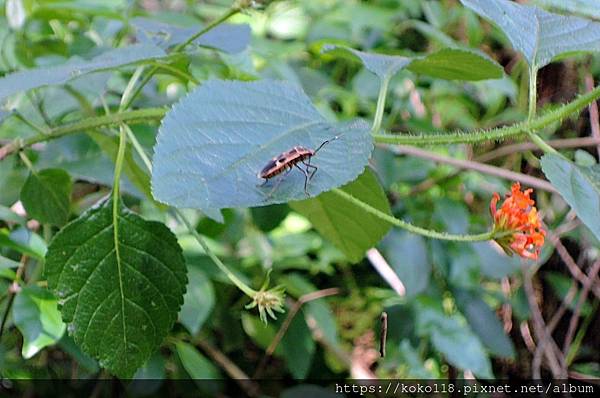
326	142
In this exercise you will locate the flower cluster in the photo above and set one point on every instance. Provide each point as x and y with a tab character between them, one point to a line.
518	219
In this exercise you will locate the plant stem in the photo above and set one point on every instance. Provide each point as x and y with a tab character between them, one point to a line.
476	136
241	285
119	168
536	139
139	149
385	82
413	228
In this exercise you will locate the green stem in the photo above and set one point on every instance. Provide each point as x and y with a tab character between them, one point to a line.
241	285
477	136
128	92
413	228
385	82
27	162
139	149
118	169
536	139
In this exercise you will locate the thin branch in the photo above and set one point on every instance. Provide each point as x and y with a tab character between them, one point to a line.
476	166
251	388
594	118
386	272
288	321
576	314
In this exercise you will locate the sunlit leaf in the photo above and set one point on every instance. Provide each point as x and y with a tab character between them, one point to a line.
119	301
213	143
539	35
36	315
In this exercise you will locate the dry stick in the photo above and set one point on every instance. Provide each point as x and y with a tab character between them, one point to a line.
288	320
594	118
529	146
540	329
386	272
575	318
248	385
476	166
572	265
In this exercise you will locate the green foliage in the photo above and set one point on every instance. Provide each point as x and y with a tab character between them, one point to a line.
349	227
46	195
119	299
579	186
235	129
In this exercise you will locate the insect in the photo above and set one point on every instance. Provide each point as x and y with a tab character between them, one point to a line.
289	159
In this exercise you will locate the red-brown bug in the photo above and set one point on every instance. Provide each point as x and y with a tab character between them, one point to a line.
289	159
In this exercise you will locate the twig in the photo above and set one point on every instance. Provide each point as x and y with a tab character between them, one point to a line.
572	265
594	118
528	146
287	322
476	166
539	327
251	388
386	272
576	314
13	289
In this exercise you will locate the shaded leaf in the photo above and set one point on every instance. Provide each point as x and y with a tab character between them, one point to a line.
119	301
586	8
6	265
539	35
198	301
27	79
384	66
485	324
212	144
298	348
36	315
46	196
195	364
349	227
24	241
579	186
407	255
230	38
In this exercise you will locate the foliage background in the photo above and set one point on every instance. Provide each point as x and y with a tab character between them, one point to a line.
467	308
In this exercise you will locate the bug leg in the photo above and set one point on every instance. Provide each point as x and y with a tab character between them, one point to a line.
308	165
278	183
306	178
264	183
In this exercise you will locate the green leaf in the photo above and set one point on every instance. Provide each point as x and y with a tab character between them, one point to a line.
485	324
6	214
579	186
198	301
119	301
212	144
586	8
449	63
24	241
230	38
455	341
346	225
298	348
37	317
457	64
195	364
22	81
46	196
539	35
6	265
407	255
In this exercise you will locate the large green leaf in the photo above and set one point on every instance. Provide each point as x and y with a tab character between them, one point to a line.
213	143
119	301
27	79
36	315
349	227
539	35
485	324
449	63
579	186
230	38
46	196
195	364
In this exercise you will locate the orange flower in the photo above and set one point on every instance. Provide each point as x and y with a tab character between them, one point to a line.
518	216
